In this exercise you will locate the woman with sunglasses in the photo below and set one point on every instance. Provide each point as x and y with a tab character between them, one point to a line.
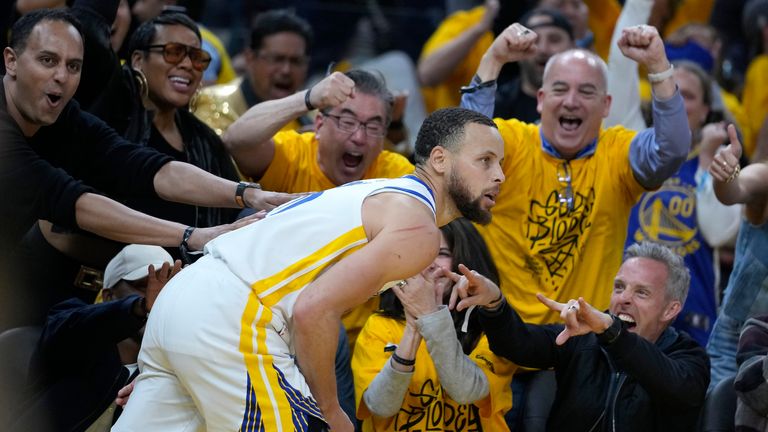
146	101
418	366
165	71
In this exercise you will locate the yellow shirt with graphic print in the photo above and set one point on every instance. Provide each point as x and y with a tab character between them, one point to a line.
426	406
537	243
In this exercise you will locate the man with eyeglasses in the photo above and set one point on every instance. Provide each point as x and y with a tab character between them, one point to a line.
347	144
562	220
276	67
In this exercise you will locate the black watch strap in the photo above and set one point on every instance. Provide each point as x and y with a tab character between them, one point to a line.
477	84
186	254
240	192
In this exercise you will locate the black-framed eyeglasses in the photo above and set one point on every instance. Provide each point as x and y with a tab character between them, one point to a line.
174	53
349	124
565	193
280	59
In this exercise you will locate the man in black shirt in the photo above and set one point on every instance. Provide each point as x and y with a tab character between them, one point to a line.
627	367
55	159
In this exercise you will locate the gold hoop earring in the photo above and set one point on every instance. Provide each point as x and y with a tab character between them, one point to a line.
195	99
141	81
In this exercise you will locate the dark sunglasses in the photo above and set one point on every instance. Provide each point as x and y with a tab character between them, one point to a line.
174	53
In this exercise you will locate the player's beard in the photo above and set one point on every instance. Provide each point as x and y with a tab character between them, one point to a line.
471	209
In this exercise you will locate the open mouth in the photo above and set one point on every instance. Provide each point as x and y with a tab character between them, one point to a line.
628	320
180	83
53	98
570	123
284	86
491	197
352	160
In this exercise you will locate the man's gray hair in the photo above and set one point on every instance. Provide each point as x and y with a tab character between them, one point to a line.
678	276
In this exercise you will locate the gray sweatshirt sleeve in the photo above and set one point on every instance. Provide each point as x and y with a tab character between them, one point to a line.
384	396
481	100
658	152
460	377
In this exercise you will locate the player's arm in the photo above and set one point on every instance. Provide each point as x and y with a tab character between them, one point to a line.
403	241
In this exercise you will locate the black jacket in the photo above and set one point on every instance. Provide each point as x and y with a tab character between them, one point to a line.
628	385
76	369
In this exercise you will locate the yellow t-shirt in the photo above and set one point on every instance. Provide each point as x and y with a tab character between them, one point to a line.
446	94
536	244
426	406
294	169
755	97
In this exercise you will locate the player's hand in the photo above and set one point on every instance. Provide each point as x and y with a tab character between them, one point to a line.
338	421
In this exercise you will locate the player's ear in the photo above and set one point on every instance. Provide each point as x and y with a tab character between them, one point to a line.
438	158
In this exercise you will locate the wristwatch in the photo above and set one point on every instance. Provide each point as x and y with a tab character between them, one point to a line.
477	84
240	191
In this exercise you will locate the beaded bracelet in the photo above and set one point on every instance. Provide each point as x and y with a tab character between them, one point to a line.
402	361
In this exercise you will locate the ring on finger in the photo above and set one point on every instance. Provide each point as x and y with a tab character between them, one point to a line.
734	174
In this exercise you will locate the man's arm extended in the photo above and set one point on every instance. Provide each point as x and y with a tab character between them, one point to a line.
249	139
403	241
186	183
110	219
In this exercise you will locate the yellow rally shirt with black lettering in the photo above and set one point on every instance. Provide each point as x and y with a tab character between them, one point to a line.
537	244
426	406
